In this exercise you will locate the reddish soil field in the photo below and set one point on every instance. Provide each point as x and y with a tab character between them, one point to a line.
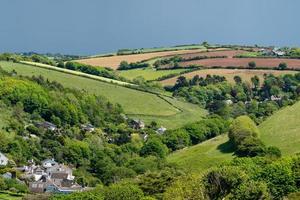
243	62
114	61
245	74
228	53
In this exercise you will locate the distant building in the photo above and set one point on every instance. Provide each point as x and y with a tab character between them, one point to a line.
46	125
161	130
278	52
87	127
49	163
275	98
137	124
3	160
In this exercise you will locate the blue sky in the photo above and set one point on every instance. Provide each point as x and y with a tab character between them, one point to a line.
97	26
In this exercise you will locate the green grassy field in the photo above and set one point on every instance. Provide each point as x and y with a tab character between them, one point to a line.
148	74
142	104
202	156
188	113
7	196
281	130
77	73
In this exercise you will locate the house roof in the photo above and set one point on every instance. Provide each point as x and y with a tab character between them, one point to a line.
59	175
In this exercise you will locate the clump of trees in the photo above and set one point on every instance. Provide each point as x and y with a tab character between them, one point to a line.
124	65
258	99
282	66
244	135
98	71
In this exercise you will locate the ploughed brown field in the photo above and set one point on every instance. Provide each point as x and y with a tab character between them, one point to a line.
245	74
220	52
114	61
243	62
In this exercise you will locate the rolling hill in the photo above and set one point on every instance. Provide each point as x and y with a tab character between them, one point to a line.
281	130
140	104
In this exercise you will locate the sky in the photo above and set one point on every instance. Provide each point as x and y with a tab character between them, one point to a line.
89	27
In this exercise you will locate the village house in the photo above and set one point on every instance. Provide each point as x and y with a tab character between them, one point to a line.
278	52
137	124
87	127
50	177
3	160
161	130
46	125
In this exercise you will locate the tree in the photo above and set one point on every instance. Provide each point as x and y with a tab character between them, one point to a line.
251	190
123	65
237	79
123	192
282	66
279	178
219	182
155	147
186	187
177	139
255	81
252	64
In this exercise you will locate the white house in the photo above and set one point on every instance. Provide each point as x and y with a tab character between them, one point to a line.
49	163
161	130
3	160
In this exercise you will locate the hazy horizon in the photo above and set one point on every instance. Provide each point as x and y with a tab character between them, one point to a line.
94	27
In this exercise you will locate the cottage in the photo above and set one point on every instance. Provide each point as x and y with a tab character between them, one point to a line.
46	125
275	98
161	130
49	163
52	177
87	127
278	52
137	124
3	160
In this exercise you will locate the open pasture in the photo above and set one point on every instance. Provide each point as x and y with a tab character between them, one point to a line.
281	130
245	74
148	74
114	61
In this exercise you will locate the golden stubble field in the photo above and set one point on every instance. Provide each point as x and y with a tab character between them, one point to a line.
114	61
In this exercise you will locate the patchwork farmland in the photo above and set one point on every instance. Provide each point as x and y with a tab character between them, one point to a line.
114	61
243	62
214	53
245	74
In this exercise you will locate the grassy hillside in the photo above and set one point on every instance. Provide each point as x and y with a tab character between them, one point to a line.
202	156
142	104
283	130
148	73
